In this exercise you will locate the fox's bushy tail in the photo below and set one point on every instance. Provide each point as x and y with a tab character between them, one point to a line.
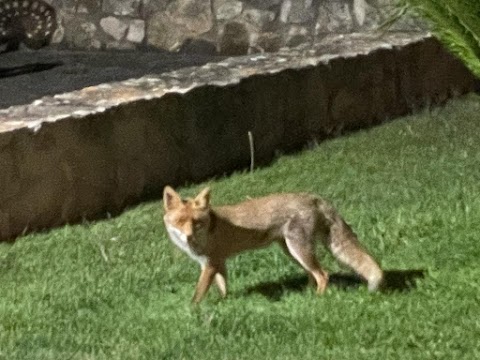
345	247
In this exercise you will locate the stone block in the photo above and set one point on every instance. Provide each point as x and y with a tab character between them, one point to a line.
81	32
136	31
335	17
234	39
164	33
122	7
261	19
269	41
182	20
114	27
297	35
229	10
196	16
264	4
154	6
300	12
81	6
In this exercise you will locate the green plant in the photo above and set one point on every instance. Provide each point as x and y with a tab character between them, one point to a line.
456	23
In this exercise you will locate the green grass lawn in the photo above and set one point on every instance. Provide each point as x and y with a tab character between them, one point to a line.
119	289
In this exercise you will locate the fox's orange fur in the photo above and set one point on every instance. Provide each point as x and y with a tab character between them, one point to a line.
210	235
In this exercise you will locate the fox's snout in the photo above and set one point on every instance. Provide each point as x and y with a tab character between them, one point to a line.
184	233
189	237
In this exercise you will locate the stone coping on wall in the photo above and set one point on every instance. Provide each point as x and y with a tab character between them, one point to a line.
96	99
96	150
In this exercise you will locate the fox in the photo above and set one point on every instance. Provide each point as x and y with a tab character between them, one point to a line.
212	234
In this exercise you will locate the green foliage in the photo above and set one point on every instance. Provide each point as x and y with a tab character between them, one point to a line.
118	289
455	22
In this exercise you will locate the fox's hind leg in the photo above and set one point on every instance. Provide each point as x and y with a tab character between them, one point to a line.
299	242
283	245
306	258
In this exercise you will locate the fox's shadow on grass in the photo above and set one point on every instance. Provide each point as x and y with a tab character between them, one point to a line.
395	281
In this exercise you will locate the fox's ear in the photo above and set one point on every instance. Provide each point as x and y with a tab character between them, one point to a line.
171	199
202	201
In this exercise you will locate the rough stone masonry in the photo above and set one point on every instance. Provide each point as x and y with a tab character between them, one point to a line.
229	27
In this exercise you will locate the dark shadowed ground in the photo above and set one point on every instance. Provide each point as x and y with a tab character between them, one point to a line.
28	75
395	280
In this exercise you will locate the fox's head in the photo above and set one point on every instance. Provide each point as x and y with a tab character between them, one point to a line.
187	220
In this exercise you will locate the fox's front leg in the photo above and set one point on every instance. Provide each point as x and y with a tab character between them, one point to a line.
221	279
208	274
206	277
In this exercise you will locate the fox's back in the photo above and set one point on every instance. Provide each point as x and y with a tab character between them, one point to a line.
270	211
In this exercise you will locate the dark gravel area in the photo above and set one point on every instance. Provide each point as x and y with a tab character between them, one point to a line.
28	75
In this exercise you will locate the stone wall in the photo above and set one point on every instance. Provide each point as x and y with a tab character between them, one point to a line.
96	150
230	27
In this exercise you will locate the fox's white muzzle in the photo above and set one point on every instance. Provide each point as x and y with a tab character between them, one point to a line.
180	239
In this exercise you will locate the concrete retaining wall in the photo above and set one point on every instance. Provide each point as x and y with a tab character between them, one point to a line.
96	150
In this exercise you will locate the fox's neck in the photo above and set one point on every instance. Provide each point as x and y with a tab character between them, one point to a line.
220	222
230	238
223	218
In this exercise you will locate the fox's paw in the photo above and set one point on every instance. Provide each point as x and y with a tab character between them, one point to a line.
375	282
